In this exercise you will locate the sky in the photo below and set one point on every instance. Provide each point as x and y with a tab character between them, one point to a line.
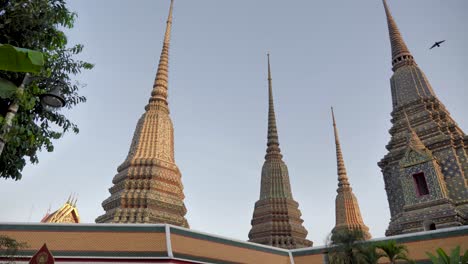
323	53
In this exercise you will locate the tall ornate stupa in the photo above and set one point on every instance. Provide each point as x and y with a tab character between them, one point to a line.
348	215
147	187
276	218
426	168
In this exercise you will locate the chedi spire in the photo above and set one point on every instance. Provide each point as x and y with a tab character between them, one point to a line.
348	214
400	52
147	187
273	150
276	219
424	172
159	93
342	176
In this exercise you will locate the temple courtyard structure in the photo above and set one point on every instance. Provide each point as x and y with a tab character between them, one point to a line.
425	173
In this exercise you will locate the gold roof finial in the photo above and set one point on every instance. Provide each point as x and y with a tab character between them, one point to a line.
76	199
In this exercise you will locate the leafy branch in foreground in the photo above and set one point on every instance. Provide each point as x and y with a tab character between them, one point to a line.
38	25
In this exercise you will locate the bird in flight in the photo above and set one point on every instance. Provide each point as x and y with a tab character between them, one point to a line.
437	44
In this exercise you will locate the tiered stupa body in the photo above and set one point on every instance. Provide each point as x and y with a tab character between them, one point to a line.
276	219
426	169
148	187
348	214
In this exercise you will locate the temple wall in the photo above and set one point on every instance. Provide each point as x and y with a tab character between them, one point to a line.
211	249
146	243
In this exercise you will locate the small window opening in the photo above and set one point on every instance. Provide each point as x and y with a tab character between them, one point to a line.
421	184
429	225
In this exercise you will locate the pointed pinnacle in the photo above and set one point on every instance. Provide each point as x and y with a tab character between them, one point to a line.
273	149
76	199
269	70
400	51
342	175
167	35
159	93
413	138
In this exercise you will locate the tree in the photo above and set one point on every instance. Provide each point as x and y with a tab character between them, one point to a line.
454	258
9	247
17	60
37	25
369	254
344	246
394	252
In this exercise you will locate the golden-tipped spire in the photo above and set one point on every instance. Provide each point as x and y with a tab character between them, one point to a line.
342	175
400	52
159	93
273	149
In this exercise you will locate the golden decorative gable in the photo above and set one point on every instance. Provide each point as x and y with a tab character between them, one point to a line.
68	213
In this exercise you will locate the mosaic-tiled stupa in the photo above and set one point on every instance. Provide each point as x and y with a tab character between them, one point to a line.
276	218
426	168
148	186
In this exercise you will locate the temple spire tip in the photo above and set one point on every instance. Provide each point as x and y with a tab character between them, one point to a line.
160	86
333	116
400	52
272	141
341	169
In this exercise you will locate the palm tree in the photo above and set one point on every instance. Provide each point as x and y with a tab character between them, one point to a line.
344	246
454	258
369	254
393	251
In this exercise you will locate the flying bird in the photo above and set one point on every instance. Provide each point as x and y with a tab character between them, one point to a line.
437	44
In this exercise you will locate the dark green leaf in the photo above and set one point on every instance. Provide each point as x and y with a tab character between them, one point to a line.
7	89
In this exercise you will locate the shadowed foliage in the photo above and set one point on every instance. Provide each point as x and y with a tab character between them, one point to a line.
395	253
369	254
454	258
9	247
38	25
344	247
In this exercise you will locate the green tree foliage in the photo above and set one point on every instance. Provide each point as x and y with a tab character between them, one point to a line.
344	247
395	253
350	247
454	258
369	254
20	59
9	247
38	25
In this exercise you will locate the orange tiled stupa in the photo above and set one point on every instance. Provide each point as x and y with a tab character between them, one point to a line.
148	186
276	219
348	214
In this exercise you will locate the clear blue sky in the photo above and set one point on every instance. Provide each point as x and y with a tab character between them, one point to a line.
323	53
